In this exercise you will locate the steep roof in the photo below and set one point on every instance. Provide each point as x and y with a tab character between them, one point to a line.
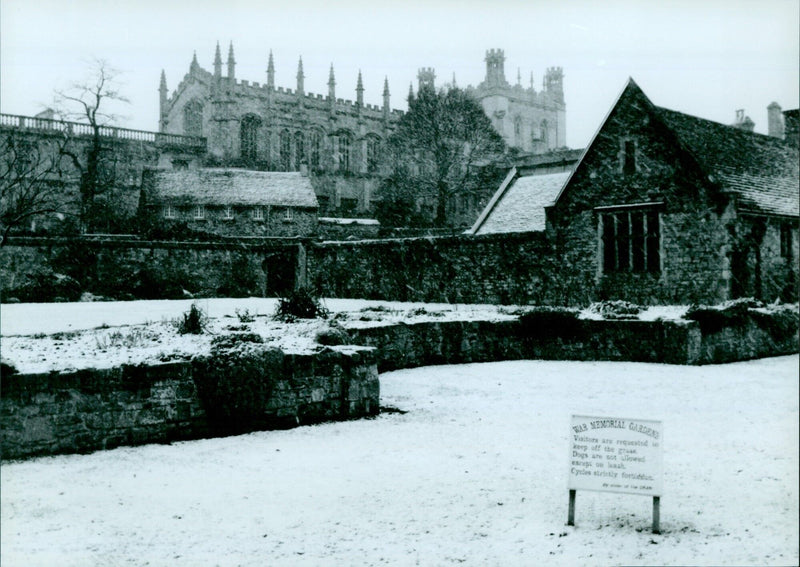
518	205
213	186
763	170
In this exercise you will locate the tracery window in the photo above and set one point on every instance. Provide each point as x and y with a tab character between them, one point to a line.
373	153
249	137
299	150
345	143
193	118
286	150
314	148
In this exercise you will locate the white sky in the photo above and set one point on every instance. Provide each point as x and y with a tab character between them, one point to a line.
703	57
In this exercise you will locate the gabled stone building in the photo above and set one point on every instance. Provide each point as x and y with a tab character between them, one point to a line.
666	207
230	202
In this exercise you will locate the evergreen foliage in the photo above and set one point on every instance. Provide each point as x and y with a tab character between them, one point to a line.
436	153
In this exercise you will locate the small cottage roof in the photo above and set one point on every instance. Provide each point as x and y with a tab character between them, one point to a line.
519	203
228	187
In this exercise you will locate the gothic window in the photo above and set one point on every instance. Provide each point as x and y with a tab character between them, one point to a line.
286	150
373	153
193	118
299	150
344	151
544	134
628	156
249	137
315	148
631	241
518	130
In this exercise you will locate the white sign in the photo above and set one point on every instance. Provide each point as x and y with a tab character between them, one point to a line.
616	455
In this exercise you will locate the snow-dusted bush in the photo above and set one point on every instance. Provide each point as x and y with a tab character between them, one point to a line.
300	304
193	322
333	336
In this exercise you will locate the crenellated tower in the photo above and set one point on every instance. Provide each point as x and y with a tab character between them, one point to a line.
426	78
495	68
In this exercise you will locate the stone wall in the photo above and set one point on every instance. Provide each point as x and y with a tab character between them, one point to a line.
558	335
516	268
87	410
152	270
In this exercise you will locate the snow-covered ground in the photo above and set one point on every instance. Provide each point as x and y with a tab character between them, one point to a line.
475	473
42	337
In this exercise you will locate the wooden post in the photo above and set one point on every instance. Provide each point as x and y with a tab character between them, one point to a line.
571	512
656	514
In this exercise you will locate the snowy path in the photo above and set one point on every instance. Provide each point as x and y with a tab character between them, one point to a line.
473	474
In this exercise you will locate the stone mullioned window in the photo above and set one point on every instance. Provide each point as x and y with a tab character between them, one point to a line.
630	241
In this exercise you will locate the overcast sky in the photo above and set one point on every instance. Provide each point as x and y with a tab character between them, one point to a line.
703	57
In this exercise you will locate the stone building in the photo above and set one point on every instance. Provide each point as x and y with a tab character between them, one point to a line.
266	127
531	121
666	207
34	160
231	202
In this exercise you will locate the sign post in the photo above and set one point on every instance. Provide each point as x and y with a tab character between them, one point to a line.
616	455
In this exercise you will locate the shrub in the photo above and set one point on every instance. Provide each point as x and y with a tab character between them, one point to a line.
234	340
300	304
44	286
245	316
544	323
7	369
734	313
333	336
193	322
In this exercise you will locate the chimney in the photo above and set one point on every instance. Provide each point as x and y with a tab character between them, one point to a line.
743	122
775	124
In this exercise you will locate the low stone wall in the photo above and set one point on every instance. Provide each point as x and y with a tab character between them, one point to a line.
45	414
561	336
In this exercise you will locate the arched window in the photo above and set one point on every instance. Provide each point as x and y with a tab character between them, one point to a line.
345	142
315	148
518	130
544	134
193	118
299	150
373	153
286	150
249	137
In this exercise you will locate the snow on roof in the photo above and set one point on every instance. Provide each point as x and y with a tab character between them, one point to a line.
216	186
518	205
336	220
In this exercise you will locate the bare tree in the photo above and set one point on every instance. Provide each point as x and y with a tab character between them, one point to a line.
31	179
88	101
439	145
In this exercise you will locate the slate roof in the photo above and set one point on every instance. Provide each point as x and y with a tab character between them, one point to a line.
764	170
242	187
518	205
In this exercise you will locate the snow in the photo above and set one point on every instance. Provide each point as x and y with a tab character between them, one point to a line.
474	473
69	336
